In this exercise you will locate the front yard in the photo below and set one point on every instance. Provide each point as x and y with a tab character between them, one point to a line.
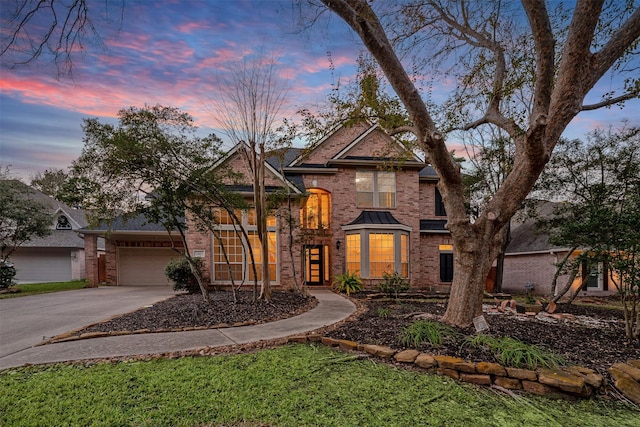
293	385
42	288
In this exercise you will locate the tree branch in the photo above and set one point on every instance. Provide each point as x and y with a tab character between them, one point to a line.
609	102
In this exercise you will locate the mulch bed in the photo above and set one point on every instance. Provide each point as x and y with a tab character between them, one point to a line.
191	311
597	346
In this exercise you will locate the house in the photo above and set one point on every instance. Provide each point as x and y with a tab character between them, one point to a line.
58	257
531	259
363	203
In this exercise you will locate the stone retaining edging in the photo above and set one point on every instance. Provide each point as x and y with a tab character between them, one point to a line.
571	381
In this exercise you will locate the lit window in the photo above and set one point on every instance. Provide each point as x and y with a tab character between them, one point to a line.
353	253
237	263
375	189
315	214
374	253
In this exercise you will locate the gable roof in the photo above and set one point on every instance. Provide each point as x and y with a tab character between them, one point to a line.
138	223
527	238
271	164
344	155
57	238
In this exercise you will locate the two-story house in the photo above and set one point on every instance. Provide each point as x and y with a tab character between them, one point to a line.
362	203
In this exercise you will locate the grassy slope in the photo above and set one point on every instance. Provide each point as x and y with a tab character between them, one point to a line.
294	385
43	288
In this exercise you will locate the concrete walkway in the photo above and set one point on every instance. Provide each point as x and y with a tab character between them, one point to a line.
331	308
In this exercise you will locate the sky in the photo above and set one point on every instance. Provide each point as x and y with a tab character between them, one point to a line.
168	52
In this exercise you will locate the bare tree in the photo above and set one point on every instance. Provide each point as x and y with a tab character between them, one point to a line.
569	57
251	103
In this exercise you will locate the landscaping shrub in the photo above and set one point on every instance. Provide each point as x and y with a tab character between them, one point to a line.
425	331
179	272
393	284
7	273
517	354
347	283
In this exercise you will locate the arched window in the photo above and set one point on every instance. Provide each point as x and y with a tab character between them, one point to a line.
316	211
63	223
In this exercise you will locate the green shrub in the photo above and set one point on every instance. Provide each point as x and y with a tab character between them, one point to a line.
347	283
383	312
517	354
179	272
393	284
425	331
7	273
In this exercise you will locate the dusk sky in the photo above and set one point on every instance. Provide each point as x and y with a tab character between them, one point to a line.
168	52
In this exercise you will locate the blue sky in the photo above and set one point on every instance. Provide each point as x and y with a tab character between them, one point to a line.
168	52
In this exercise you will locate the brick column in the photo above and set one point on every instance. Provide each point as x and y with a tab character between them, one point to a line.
111	262
91	259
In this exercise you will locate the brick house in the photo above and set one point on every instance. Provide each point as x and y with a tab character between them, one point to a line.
362	202
531	259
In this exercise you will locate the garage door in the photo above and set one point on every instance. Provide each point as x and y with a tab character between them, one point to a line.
143	266
42	265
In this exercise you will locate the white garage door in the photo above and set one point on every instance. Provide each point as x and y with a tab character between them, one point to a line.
143	266
42	265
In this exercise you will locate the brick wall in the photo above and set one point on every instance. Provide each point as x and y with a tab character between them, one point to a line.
91	259
533	268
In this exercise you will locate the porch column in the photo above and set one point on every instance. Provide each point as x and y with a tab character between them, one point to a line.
91	259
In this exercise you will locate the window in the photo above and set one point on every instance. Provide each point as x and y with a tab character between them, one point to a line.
316	212
353	253
63	223
231	242
375	189
446	263
440	211
373	253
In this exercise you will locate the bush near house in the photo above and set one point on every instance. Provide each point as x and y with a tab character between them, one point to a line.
179	272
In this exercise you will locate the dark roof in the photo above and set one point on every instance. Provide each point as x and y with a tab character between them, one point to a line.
525	237
136	223
249	188
282	157
374	217
427	225
428	172
57	239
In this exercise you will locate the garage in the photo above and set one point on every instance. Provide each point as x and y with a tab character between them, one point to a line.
143	266
42	265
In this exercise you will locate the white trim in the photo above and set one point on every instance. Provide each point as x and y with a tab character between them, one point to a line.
354	142
304	154
366	133
69	217
544	252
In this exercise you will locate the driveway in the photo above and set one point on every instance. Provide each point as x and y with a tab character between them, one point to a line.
27	321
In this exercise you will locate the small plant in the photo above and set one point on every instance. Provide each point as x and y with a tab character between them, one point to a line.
393	284
7	273
425	331
179	272
517	354
347	283
383	312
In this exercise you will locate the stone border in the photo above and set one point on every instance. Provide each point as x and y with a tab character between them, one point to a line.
626	377
574	381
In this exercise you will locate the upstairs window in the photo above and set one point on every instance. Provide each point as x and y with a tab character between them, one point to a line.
375	189
440	211
315	214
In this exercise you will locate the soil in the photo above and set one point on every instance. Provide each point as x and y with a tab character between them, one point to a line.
593	337
191	311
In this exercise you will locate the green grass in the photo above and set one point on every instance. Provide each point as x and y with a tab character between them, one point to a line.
43	288
425	331
515	353
294	385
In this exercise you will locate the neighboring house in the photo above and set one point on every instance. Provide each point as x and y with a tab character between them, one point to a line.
531	259
59	256
363	203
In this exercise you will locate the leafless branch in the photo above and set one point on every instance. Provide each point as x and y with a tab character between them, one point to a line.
609	102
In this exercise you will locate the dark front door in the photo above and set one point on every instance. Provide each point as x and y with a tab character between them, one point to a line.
314	265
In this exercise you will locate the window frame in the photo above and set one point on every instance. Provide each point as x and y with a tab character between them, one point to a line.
251	229
323	203
400	261
446	263
375	192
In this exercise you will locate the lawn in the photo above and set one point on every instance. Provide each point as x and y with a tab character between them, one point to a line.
43	288
293	385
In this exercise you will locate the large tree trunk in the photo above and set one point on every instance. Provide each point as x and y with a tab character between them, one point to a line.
473	256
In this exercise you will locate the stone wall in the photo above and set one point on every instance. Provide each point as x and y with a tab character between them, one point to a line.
573	381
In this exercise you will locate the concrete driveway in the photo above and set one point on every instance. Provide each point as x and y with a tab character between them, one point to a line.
27	321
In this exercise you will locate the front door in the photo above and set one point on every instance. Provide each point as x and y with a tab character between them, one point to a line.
314	265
